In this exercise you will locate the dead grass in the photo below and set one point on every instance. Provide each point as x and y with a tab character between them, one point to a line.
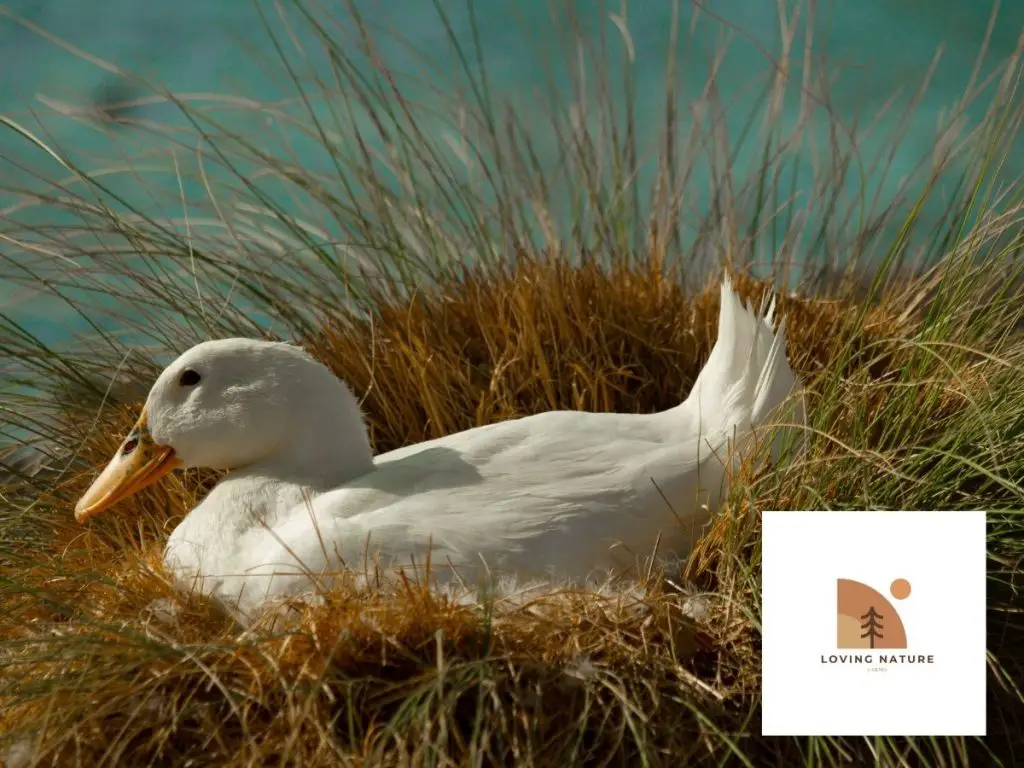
502	342
405	677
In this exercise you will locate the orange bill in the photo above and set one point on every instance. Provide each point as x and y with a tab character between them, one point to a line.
138	463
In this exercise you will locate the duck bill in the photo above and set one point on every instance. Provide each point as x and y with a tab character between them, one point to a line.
138	463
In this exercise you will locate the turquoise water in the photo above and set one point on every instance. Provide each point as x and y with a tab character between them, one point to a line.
877	47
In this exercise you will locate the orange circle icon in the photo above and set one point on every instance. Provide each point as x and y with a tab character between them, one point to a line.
900	589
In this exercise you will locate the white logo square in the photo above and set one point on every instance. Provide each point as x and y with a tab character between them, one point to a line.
873	623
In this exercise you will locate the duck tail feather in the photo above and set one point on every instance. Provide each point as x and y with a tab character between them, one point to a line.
747	375
778	396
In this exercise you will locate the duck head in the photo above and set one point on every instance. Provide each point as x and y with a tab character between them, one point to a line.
237	404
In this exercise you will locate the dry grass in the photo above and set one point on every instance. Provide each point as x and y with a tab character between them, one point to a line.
501	342
411	677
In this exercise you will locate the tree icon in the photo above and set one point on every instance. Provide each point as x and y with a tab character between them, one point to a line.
873	625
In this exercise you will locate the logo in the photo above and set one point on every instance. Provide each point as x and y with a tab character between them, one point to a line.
866	619
857	644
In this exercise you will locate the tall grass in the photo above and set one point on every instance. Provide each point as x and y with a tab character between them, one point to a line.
437	260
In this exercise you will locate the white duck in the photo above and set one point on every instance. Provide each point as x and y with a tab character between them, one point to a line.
549	495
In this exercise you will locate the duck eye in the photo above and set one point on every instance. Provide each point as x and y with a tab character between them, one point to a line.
188	378
129	446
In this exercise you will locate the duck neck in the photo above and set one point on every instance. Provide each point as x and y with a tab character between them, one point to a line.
324	446
328	450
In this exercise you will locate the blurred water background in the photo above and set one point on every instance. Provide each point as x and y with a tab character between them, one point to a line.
879	51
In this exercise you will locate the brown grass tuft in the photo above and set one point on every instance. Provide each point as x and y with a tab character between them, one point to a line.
502	342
